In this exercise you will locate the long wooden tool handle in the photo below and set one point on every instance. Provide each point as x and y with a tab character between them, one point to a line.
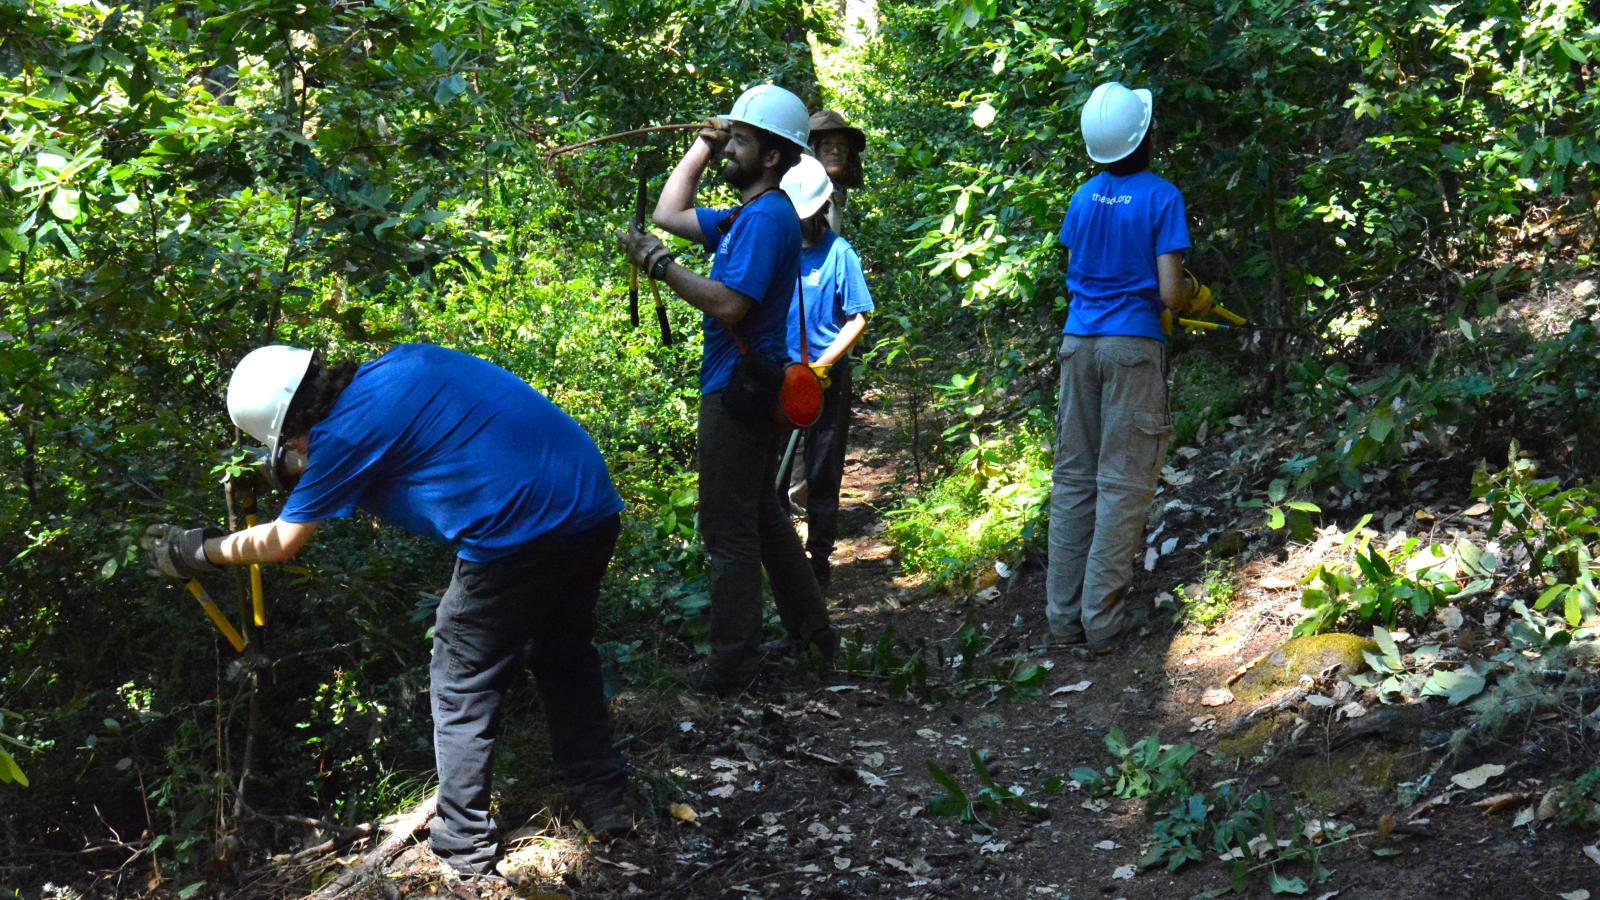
654	129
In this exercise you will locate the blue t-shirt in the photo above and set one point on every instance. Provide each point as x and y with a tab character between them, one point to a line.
454	448
759	257
835	290
1115	228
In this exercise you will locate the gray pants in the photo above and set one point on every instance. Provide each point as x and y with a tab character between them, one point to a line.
1112	430
744	532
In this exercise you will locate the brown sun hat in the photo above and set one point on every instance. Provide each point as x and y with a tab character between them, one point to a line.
824	121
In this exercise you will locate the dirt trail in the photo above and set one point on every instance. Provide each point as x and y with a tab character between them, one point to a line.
818	786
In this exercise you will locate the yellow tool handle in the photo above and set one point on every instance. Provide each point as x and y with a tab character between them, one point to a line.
216	616
1197	323
1231	317
258	603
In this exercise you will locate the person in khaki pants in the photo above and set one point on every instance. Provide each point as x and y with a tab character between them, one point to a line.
1125	234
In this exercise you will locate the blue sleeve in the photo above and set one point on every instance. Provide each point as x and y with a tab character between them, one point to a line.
752	256
337	475
709	219
1172	226
1066	229
853	294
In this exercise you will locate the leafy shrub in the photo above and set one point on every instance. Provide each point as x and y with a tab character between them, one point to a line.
988	508
1553	529
1413	577
1207	388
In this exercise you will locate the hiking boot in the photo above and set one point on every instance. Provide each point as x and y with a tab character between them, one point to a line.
605	815
706	680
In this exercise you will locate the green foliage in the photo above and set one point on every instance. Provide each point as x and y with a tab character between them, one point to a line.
1243	834
1144	769
990	799
1214	597
1207	388
1411	576
1554	529
941	670
1578	802
1413	675
988	508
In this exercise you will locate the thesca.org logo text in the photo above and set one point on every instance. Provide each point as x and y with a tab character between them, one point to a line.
1112	201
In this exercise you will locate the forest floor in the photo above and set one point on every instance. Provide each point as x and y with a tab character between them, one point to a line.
813	786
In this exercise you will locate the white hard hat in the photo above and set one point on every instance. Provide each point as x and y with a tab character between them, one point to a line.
771	108
807	185
262	385
1115	120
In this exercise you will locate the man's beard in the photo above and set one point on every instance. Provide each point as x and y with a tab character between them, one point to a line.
737	176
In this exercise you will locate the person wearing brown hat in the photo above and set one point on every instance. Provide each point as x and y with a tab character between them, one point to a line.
837	145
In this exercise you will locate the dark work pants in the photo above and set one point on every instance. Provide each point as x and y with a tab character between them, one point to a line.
822	462
545	595
745	531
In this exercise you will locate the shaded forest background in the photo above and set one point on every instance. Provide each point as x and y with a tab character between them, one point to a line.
1368	182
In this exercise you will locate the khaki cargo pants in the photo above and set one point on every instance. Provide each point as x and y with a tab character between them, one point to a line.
1112	430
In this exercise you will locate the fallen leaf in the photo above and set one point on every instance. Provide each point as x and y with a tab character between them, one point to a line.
1492	805
1174	477
994	847
1593	852
1352	710
1169	545
1319	700
1201	723
1525	817
1579	894
1217	696
1001	569
682	813
1275	583
1385	827
1150	557
1122	873
1072	688
1476	509
1477	778
1451	618
1107	845
841	862
725	790
870	779
1548	804
989	594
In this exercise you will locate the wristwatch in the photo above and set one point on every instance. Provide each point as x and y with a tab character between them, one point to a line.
659	267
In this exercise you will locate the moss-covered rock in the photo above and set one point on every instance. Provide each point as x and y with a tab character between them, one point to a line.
1302	656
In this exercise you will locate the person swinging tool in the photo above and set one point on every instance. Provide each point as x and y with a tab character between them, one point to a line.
457	449
1125	233
836	305
745	300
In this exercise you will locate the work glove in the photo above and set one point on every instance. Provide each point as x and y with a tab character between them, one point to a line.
178	552
822	374
1199	304
642	248
715	132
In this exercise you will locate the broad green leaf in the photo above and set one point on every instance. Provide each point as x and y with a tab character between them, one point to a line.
1386	644
1281	885
1457	686
1549	594
1380	428
1572	51
64	204
1275	518
1277	490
